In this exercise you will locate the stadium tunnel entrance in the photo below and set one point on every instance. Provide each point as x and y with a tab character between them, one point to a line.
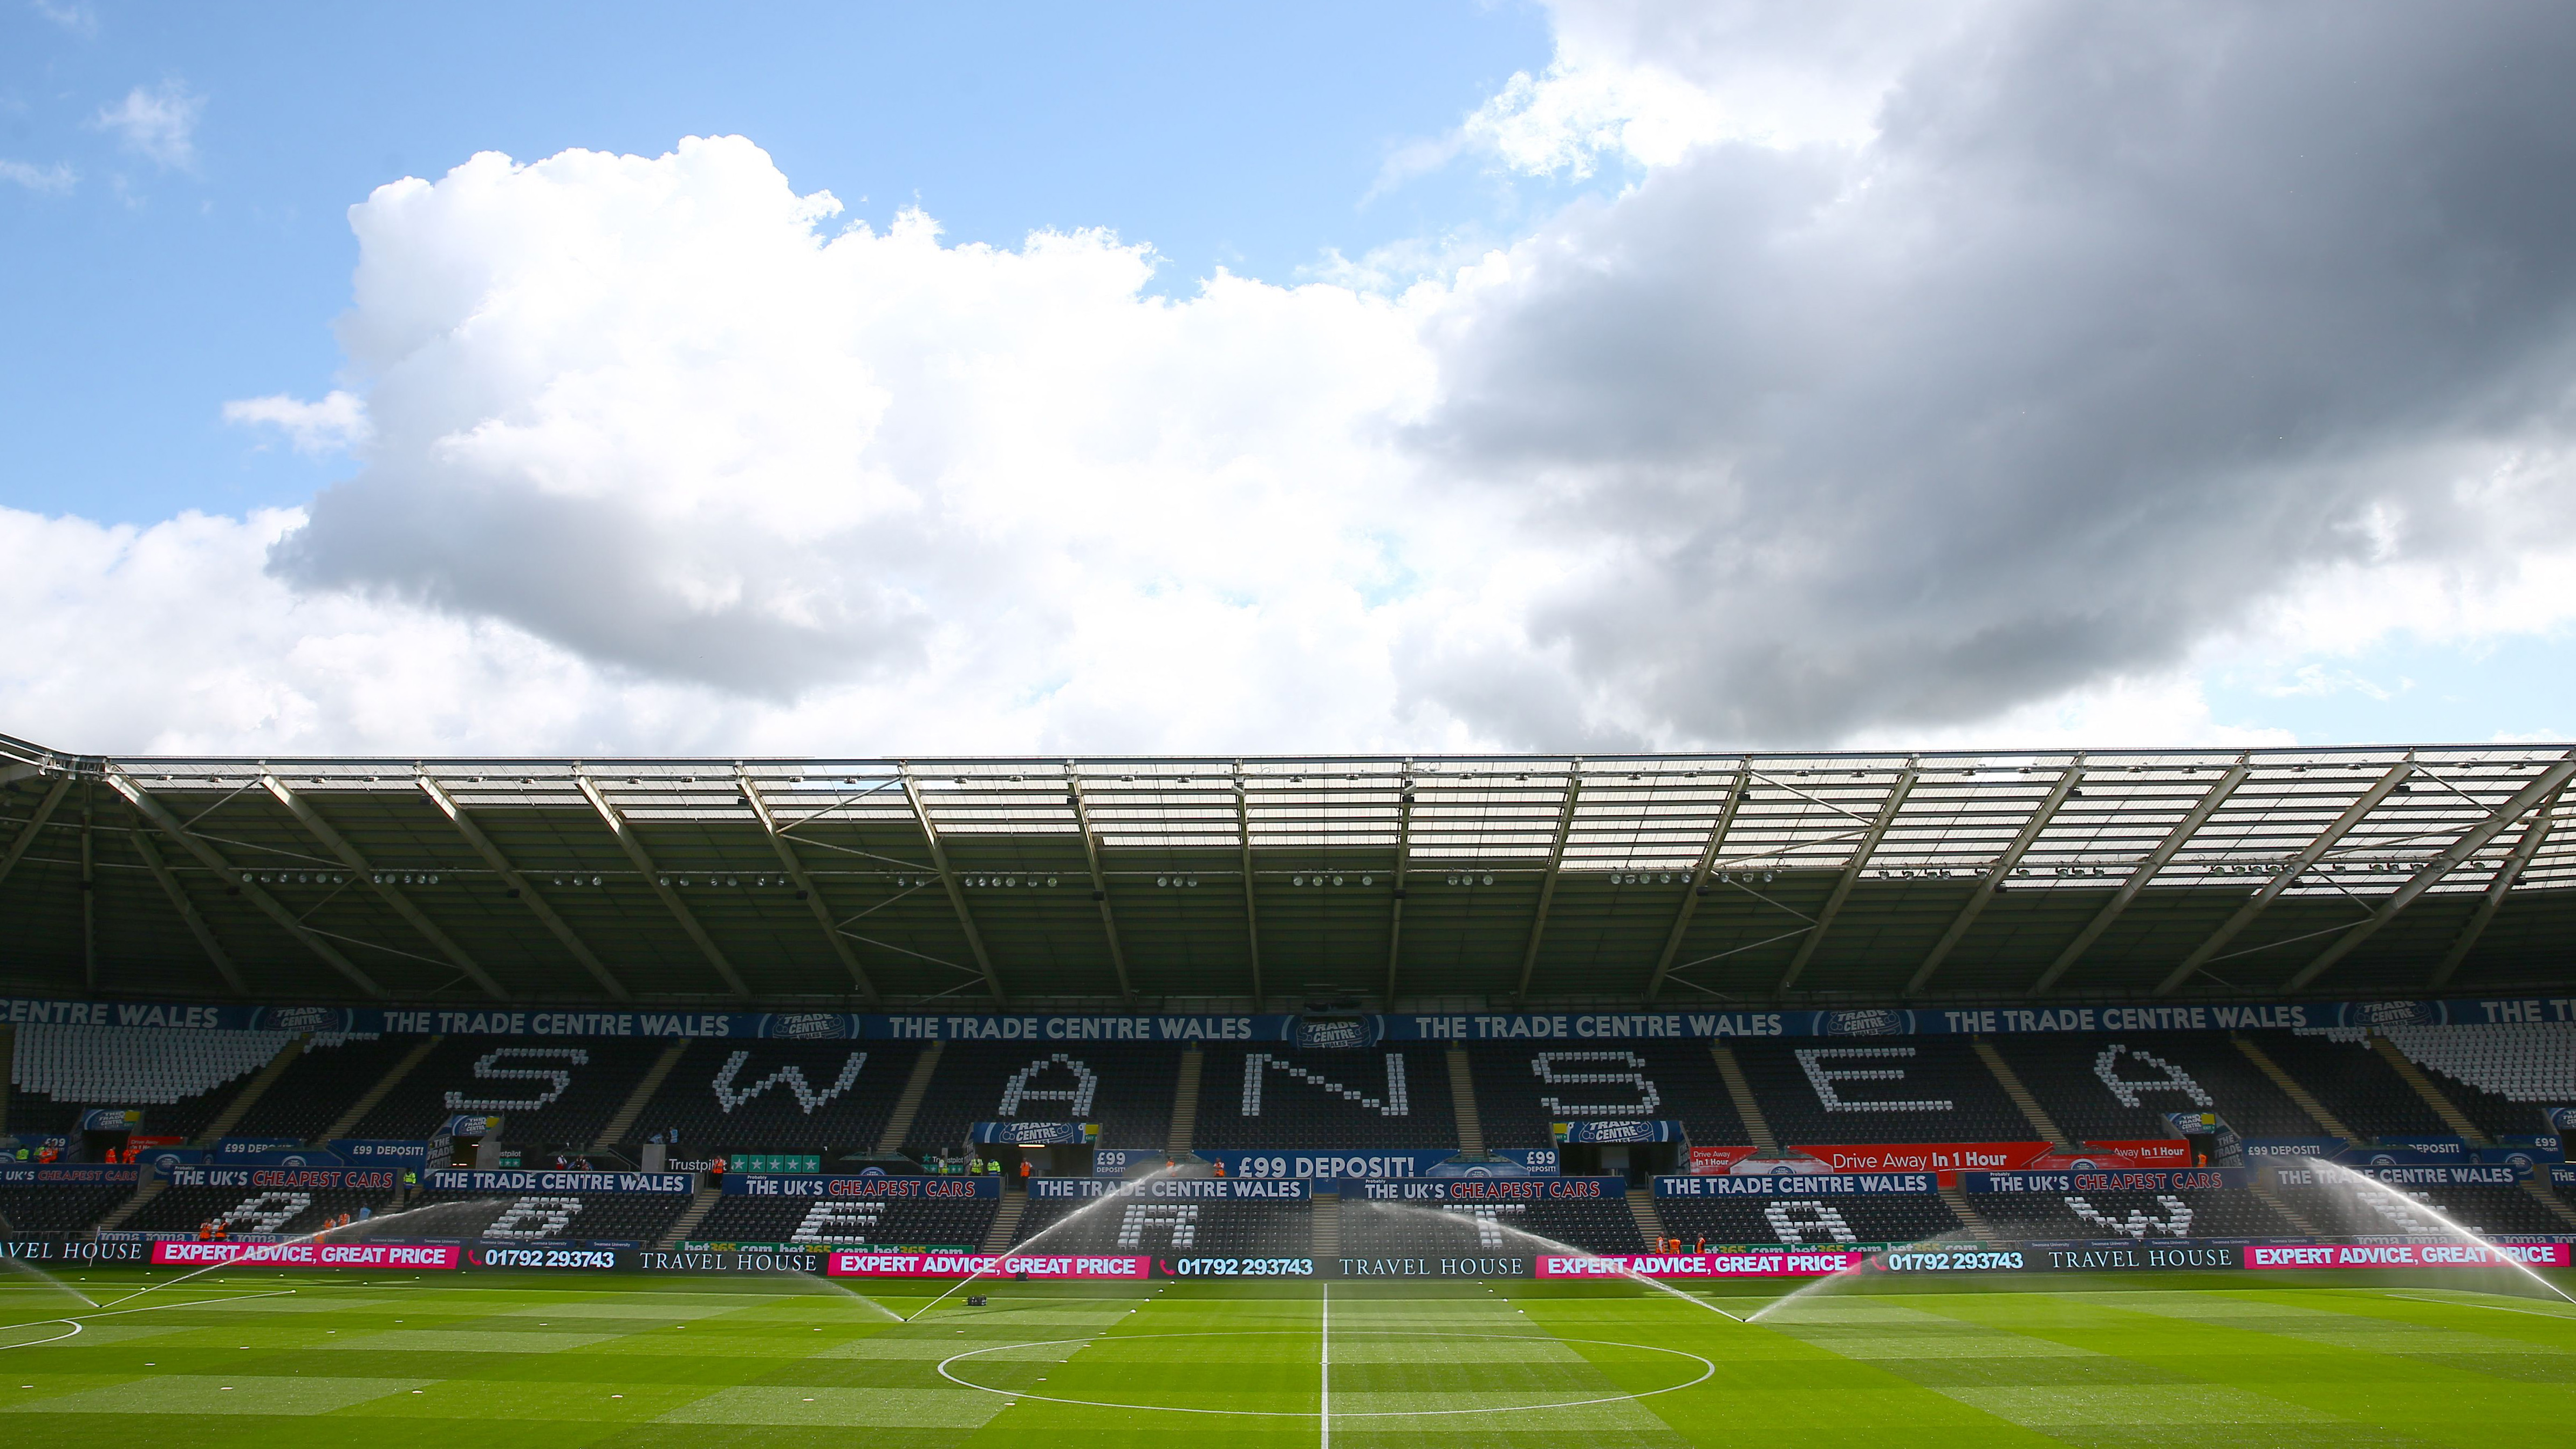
1640	1162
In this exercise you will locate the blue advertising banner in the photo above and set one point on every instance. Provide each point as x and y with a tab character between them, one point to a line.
864	1188
1324	1163
293	1179
1315	1033
2562	1175
161	1159
110	1119
1499	1189
410	1152
1813	1184
1531	1159
473	1179
2295	1146
1036	1134
2121	1179
1175	1189
2436	1174
1115	1161
231	1147
2451	1147
65	1174
1616	1131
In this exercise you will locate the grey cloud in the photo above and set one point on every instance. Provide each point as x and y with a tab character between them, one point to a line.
2131	315
597	577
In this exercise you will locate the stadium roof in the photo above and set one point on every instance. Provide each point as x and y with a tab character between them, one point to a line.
1450	881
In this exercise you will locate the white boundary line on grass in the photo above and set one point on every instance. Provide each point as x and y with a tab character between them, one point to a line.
76	1320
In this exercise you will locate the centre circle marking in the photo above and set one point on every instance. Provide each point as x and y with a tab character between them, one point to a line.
1707	1368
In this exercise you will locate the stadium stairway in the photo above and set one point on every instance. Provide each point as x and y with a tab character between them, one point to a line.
701	1203
1185	1104
2291	1089
2557	1205
243	1100
393	1078
2010	1081
1750	1110
1955	1198
2270	1197
1462	1095
624	1122
2413	1076
1327	1225
1650	1223
908	1106
146	1190
1006	1223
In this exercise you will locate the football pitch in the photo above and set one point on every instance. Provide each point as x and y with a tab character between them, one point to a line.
496	1359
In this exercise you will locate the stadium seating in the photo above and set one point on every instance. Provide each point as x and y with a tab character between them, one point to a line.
1521	1089
58	1208
1125	1087
2208	1213
317	1087
1276	1096
178	1079
2501	1076
252	1210
1934	1089
548	1091
1161	1228
1517	1229
1817	1221
548	1216
824	1097
945	1223
2118	1086
2340	1070
2348	1210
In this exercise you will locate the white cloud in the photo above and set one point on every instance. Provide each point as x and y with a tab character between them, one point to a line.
158	122
335	424
56	179
76	17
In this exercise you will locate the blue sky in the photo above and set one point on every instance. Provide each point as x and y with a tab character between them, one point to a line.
149	294
1594	377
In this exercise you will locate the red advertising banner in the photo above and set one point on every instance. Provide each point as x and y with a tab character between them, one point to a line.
1814	1263
1941	1157
306	1254
2405	1255
962	1265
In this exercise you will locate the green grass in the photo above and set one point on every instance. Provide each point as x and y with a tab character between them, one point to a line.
493	1360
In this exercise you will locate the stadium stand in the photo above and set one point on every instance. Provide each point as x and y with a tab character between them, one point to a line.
1125	1087
178	1079
2501	1077
622	1217
59	1207
1156	1226
1818	1221
2347	1210
2212	1213
2116	1087
1916	1089
251	1210
1377	1229
548	1092
2340	1070
1276	1096
822	1097
1521	1089
945	1223
317	1087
